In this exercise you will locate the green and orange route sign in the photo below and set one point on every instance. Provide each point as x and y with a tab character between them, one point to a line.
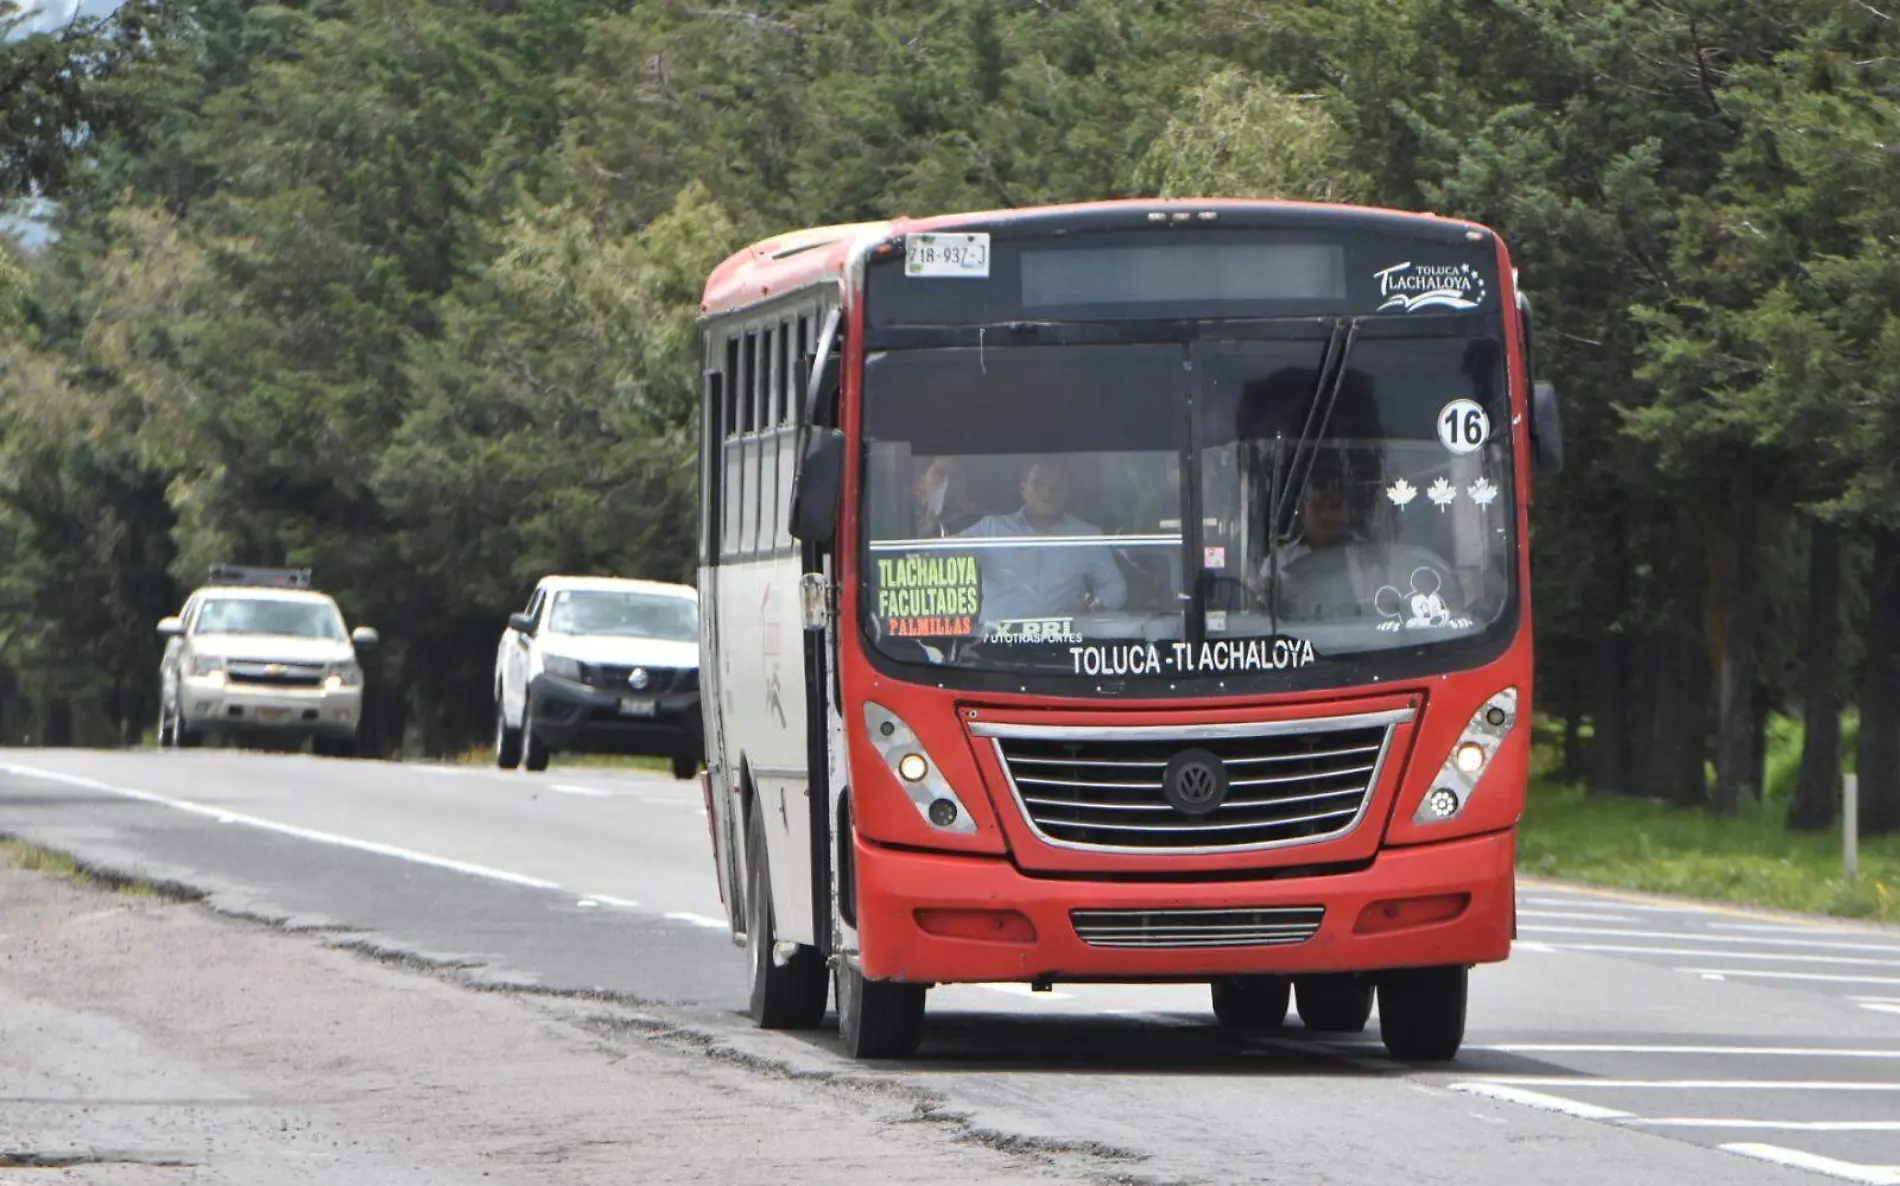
928	595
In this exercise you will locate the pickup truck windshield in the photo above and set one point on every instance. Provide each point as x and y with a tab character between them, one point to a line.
624	614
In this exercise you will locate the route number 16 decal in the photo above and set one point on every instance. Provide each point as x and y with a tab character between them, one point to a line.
1463	427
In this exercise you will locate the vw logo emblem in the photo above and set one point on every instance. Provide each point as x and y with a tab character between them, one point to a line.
1195	782
637	679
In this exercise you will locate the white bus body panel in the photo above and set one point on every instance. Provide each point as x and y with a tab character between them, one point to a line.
759	686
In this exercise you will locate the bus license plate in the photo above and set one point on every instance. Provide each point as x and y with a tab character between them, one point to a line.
632	707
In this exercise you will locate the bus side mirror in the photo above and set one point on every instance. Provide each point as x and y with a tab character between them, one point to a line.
1547	430
820	481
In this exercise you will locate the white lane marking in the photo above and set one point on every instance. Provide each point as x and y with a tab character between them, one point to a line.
610	900
1574	1081
568	788
1869	1175
1691	937
1023	990
232	817
1713	976
1769	974
1572	915
1881	1007
1528	945
1771	1125
1761	1051
1705	953
1537	1099
419	768
584	903
698	920
1793	928
1620	904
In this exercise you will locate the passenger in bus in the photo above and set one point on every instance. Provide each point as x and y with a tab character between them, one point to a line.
942	505
1047	579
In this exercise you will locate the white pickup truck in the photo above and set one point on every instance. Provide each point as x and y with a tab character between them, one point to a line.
600	665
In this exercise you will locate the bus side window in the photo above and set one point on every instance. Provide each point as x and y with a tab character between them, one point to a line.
731	492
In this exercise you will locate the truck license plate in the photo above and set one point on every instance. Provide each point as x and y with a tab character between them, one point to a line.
633	707
273	714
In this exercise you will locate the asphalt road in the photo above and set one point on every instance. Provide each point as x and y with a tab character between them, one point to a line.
1627	1040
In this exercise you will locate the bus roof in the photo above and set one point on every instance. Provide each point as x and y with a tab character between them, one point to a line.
796	259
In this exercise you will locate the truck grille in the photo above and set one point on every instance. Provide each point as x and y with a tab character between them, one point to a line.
1287	782
614	676
277	675
1273	926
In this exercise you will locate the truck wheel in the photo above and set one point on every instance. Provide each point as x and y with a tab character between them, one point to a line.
167	728
878	1018
1338	1004
685	765
534	751
788	996
182	738
1422	1013
507	740
1251	1002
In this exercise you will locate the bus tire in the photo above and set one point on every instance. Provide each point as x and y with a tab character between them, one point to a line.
1251	1002
878	1018
789	996
1422	1013
1335	1004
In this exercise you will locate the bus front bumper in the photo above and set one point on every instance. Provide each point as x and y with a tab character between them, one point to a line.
937	918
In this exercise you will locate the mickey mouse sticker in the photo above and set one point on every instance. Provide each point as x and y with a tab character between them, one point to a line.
1425	607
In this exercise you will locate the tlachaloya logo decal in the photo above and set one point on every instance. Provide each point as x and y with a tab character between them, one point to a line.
1409	287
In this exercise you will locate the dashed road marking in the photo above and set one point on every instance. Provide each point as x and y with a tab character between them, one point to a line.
1705	953
1578	1082
1024	990
698	920
568	788
1771	974
1690	937
1764	1125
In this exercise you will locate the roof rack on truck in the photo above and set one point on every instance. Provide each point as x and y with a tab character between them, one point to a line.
280	578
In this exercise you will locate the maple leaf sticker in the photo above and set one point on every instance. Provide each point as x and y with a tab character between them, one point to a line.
1442	493
1483	492
1401	493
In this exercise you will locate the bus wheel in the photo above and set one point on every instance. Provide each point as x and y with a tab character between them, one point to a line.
1252	1002
878	1018
789	996
1338	1004
1422	1013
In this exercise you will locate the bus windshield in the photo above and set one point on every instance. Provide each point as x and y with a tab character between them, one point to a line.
1176	512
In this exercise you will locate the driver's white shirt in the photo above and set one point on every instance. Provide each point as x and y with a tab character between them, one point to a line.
1044	580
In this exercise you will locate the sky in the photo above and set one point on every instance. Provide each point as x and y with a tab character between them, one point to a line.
49	14
25	224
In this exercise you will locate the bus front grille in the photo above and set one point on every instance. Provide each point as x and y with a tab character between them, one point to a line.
1279	783
1273	926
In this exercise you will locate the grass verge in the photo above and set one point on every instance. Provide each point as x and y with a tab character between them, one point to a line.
35	859
1750	859
486	757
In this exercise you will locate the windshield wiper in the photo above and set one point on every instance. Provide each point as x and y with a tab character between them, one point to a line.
1325	398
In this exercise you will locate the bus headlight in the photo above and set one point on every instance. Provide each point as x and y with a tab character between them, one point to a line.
1468	759
929	792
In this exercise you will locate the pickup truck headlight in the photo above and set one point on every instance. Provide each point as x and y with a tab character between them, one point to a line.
1470	756
205	665
561	667
346	674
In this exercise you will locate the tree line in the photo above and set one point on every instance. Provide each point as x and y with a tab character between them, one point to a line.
405	290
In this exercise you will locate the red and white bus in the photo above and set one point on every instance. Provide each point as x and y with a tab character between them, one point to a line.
1124	592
